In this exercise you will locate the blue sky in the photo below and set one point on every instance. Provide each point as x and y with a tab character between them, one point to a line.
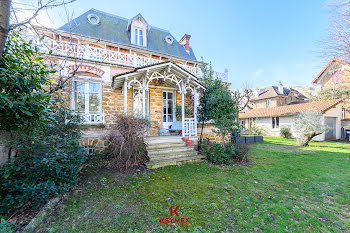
259	41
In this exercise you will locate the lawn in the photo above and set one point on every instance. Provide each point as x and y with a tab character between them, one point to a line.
286	188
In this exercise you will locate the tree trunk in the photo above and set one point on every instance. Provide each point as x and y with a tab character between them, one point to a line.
200	138
4	23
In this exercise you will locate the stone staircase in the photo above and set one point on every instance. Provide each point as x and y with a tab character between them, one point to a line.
169	150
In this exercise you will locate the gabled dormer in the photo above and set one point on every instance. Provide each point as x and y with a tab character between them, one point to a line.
138	28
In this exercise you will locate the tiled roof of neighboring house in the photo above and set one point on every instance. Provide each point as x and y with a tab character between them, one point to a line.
272	91
288	110
326	67
113	28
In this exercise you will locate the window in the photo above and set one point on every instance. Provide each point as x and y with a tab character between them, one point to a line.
93	19
252	122
268	103
243	124
343	113
275	122
138	36
87	97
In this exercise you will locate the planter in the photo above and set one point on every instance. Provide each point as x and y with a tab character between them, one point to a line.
189	143
186	138
240	140
249	139
259	138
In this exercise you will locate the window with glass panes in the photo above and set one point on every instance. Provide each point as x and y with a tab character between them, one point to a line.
87	97
168	106
275	122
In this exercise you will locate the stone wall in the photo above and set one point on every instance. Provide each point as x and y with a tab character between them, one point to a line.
209	134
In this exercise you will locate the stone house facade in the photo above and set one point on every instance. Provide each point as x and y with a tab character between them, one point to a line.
274	96
125	66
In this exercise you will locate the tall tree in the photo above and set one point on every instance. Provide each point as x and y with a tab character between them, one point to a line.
4	22
337	42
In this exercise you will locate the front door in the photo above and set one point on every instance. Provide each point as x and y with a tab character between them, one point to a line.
168	106
330	122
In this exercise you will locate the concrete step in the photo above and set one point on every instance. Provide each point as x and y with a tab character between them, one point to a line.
165	145
172	155
168	150
163	139
174	161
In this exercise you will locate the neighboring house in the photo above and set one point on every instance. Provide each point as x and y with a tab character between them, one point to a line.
271	120
126	66
274	96
336	75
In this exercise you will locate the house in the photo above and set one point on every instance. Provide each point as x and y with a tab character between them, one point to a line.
336	75
272	119
126	66
274	96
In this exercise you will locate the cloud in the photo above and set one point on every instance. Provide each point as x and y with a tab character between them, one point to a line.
258	72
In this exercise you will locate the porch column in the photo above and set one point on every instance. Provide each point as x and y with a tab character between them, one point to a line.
144	98
183	107
195	109
125	97
195	103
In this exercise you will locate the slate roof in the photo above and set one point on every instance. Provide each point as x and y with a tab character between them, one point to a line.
272	91
288	110
113	28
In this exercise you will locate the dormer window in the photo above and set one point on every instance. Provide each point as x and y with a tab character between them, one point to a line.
138	28
138	37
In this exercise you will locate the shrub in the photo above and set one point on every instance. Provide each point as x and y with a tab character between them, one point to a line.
285	132
218	154
125	143
48	160
308	125
5	226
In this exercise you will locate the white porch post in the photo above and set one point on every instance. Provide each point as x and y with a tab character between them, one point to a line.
144	98
125	97
183	107
195	109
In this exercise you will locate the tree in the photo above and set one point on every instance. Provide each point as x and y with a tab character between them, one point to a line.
217	105
337	43
243	96
22	77
5	12
308	125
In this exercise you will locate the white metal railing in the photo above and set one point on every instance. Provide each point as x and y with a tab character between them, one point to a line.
92	118
85	51
189	127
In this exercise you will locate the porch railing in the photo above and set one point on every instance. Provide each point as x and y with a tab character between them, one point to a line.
189	127
85	51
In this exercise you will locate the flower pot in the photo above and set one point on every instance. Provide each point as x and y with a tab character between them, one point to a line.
186	139
189	143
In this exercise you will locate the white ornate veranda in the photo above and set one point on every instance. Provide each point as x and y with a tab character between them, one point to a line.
171	73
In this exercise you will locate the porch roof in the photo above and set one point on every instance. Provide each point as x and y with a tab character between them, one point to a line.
167	70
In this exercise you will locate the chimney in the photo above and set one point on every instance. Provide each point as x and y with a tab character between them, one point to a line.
280	88
185	41
256	92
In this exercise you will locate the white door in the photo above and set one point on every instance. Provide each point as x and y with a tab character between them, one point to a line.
168	106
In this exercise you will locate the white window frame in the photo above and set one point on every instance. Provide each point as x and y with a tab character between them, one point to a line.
147	101
135	37
86	81
268	103
274	122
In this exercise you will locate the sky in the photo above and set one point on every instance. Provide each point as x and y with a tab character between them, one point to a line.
260	42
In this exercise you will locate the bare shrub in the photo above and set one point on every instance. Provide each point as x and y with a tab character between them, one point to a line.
125	144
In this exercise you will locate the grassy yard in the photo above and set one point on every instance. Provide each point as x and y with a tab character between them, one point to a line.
286	188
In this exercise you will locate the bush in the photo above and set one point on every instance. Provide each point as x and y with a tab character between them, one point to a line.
6	227
125	143
218	154
285	132
48	160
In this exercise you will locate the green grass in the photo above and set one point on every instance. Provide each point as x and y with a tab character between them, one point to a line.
286	188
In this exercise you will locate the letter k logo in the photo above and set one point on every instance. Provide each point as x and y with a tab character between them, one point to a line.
173	211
